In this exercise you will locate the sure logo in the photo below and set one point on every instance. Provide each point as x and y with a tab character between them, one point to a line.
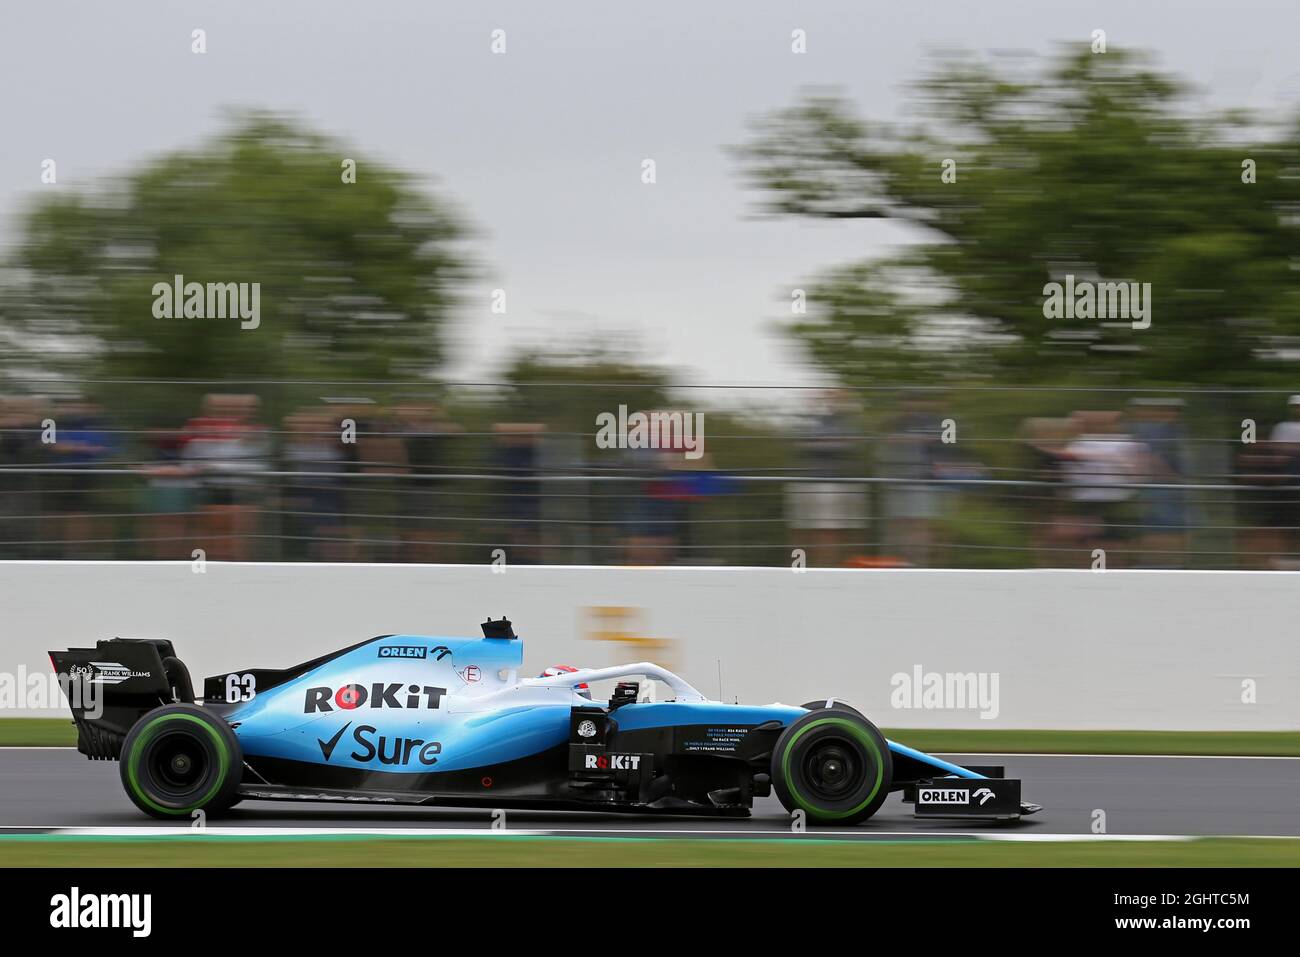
393	750
378	695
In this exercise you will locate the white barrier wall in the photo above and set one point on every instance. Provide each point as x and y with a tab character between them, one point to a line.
1060	649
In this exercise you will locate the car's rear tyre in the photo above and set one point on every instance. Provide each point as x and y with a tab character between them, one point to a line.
834	766
179	759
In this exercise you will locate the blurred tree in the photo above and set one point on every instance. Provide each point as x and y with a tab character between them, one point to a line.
1094	169
356	278
566	390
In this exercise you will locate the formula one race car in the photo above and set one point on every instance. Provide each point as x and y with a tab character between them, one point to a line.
401	719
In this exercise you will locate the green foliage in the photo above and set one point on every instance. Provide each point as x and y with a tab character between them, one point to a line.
1096	168
566	390
356	278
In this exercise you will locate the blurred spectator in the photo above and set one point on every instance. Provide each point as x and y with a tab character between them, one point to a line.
168	501
910	510
21	505
424	430
661	515
83	444
1286	437
659	512
1264	508
1099	463
675	488
823	514
383	497
698	485
955	467
516	454
1271	512
227	449
1156	424
1287	432
314	524
569	508
380	451
1054	530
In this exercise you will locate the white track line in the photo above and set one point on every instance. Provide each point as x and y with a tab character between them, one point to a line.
372	832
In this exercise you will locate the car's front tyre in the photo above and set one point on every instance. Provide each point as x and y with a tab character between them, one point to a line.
179	759
833	765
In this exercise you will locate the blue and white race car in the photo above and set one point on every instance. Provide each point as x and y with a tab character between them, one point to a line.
401	719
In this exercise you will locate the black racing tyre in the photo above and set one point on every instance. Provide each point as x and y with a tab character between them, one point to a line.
836	704
179	759
834	765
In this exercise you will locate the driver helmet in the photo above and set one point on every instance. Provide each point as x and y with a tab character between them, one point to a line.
582	689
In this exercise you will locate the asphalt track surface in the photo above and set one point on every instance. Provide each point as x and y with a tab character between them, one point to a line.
56	789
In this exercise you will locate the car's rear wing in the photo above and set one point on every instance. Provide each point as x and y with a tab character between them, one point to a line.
109	687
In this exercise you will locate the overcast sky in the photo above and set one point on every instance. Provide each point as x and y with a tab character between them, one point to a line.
541	147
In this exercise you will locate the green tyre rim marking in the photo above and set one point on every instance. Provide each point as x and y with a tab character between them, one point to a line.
856	732
149	733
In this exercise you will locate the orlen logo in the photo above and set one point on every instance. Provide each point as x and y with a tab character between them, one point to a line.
943	796
402	651
379	695
613	762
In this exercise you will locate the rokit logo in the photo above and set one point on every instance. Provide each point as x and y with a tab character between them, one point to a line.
75	909
378	695
613	762
388	750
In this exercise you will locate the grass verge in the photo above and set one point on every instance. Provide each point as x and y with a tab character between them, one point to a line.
505	851
31	732
37	732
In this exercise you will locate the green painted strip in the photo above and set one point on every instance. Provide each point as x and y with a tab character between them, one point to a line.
646	852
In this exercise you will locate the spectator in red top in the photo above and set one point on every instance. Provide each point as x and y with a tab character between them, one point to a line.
227	449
